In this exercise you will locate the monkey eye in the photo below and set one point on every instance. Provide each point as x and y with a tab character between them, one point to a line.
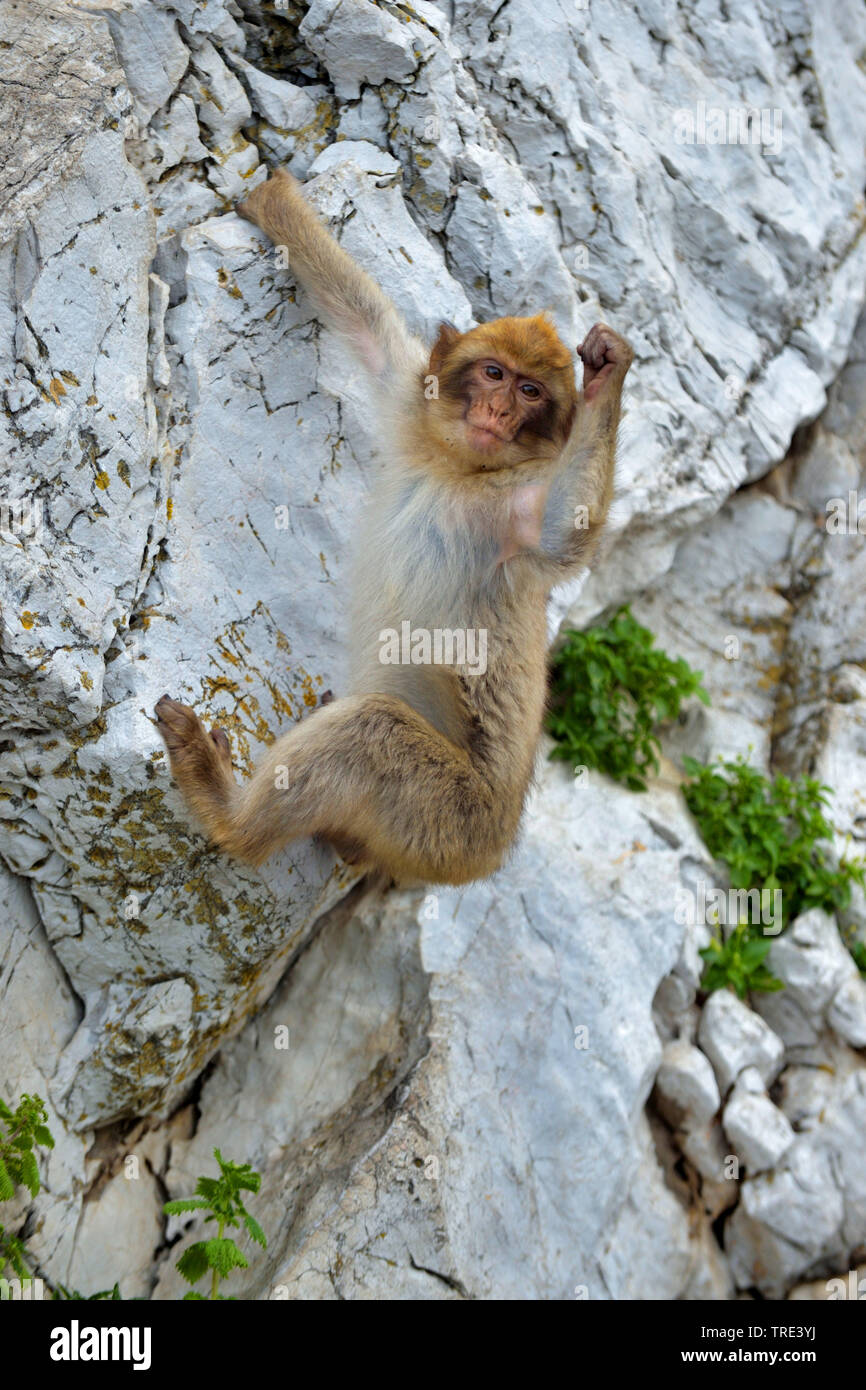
494	372
531	391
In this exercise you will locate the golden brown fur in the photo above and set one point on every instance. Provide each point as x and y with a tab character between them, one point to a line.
423	769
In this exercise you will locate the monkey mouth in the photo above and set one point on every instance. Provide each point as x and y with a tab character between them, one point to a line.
485	437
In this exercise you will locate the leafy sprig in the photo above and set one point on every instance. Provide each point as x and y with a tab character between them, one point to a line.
20	1131
738	963
220	1198
610	688
773	834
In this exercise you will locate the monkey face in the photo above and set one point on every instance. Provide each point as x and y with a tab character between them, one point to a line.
505	393
499	401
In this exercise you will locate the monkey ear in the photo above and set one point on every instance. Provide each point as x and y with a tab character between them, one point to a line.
447	337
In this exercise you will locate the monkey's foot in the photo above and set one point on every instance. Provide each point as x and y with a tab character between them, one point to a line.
192	750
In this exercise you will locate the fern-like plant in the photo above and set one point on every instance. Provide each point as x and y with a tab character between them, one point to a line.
20	1131
221	1199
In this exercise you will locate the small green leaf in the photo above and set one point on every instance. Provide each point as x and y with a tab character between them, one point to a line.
30	1172
254	1229
224	1256
7	1187
194	1262
174	1208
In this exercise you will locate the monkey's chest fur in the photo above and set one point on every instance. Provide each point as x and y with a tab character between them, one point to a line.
446	618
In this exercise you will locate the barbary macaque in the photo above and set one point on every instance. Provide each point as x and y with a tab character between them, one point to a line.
495	483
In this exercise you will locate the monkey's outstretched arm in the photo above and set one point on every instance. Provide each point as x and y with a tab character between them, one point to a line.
580	495
346	298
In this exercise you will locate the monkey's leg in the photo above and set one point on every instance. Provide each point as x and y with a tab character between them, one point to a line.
368	770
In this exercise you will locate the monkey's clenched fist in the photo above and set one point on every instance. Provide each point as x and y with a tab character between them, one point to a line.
606	358
489	453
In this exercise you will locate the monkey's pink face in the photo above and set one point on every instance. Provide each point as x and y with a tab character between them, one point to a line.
500	402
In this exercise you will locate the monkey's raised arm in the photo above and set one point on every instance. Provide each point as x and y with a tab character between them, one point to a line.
581	492
346	298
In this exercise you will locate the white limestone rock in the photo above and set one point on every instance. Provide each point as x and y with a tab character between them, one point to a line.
281	104
798	1028
217	19
805	1215
132	1044
758	1130
153	55
502	236
786	1219
846	1013
222	104
371	45
120	1230
851	1285
822	983
686	1085
176	134
38	1017
519	1127
674	1010
734	1037
705	1148
811	960
657	1249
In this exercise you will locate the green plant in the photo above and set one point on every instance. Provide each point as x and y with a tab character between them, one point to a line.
12	1253
858	951
220	1198
738	963
20	1130
113	1294
610	688
771	834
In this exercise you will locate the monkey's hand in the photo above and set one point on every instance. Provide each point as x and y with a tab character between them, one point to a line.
606	358
272	199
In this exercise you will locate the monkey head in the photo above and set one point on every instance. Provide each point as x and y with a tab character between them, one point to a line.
506	393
